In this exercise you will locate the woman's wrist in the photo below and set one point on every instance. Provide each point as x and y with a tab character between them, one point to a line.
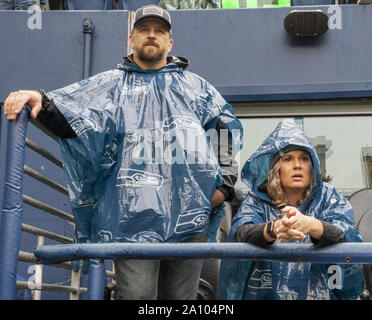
315	228
270	231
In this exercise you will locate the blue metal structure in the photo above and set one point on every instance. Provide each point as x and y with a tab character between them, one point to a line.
12	208
245	53
339	253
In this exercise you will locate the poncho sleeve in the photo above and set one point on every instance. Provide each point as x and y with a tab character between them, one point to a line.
88	107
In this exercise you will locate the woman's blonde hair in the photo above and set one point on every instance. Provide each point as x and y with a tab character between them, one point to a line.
274	186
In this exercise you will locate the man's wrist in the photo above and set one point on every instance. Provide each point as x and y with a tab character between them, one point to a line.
217	199
45	100
228	192
224	191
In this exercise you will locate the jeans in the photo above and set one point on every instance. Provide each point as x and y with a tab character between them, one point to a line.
16	4
159	279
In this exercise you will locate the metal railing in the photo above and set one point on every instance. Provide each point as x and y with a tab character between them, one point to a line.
340	253
17	149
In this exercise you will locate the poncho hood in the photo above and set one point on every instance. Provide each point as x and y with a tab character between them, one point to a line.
256	168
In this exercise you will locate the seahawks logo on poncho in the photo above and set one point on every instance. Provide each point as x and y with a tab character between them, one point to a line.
182	122
138	178
192	220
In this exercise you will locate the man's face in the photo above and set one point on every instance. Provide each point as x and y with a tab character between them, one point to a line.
151	41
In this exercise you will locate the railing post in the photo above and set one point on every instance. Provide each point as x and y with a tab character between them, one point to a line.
75	283
96	279
38	274
12	207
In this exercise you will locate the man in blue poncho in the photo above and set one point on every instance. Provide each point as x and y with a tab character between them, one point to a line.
287	201
138	149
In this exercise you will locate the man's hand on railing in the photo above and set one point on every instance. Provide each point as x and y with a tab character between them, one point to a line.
15	102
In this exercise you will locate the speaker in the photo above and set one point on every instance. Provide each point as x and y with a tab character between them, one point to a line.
306	23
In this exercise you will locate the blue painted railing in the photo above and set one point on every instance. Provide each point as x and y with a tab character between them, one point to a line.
341	253
12	207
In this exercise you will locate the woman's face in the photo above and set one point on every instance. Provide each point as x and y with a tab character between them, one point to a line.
295	171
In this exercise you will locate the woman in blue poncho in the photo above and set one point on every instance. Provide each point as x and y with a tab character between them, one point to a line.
287	201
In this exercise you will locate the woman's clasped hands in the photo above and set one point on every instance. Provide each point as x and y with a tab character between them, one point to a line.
293	226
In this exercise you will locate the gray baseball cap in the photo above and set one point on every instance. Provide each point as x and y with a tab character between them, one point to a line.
151	11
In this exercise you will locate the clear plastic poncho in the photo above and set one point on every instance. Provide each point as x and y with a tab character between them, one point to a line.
142	167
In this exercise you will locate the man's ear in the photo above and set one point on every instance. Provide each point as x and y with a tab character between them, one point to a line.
170	45
131	41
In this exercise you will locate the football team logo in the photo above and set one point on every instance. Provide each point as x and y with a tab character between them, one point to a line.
191	220
182	122
139	178
260	279
137	88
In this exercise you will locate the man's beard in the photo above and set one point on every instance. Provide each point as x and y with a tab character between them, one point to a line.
150	56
